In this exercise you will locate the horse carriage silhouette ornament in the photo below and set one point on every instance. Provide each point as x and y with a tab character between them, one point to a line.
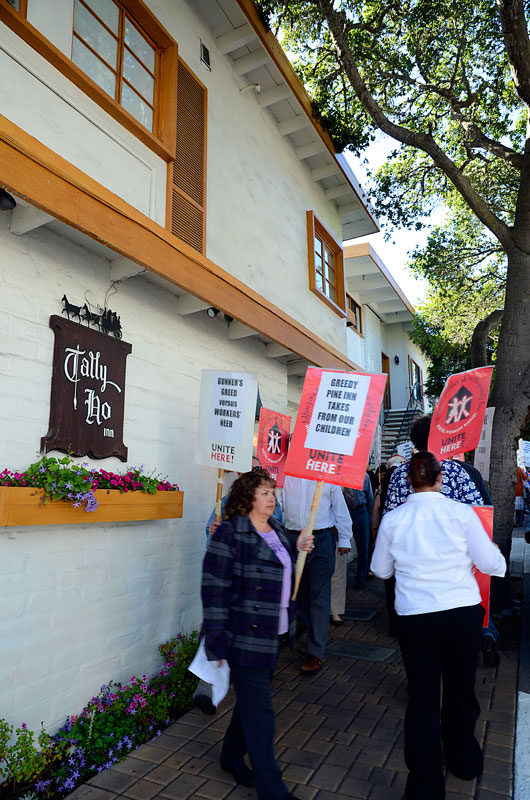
107	321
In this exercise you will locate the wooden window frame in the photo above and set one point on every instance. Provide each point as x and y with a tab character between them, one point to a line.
351	316
23	8
315	228
163	139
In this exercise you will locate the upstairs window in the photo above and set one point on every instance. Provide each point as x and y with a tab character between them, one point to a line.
120	56
108	46
19	5
326	266
354	313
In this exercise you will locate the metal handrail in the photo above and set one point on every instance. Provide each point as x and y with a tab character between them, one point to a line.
412	403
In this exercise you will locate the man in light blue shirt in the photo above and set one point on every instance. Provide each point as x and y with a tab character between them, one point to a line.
314	595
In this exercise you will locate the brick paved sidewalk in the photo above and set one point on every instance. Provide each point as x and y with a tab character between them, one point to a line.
339	733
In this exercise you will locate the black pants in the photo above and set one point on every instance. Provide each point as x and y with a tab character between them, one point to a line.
251	730
442	645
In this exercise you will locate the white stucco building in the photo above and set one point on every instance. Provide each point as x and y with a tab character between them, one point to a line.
164	162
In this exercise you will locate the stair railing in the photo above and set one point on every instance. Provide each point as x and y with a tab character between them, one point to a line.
415	397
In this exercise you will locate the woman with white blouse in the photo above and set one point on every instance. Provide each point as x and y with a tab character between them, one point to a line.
430	544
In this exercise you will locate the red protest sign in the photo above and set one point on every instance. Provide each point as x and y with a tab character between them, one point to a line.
459	414
335	426
273	442
485	514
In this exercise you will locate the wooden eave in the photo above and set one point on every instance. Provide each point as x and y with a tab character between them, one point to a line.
273	47
366	249
45	180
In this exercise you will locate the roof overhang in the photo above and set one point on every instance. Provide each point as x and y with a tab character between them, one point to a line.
370	283
262	66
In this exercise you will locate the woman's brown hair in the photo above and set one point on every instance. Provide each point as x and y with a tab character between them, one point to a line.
423	470
242	493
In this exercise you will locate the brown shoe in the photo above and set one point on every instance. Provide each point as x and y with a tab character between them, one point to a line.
302	649
310	665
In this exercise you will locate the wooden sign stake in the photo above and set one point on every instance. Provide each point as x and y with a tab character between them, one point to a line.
219	497
300	561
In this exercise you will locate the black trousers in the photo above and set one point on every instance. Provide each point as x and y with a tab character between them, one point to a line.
251	730
441	646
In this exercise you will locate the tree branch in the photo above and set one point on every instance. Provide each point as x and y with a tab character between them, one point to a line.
422	141
479	356
478	139
515	30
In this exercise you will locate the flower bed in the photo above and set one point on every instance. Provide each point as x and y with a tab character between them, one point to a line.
119	719
73	490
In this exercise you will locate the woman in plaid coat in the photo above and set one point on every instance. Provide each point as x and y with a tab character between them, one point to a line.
246	590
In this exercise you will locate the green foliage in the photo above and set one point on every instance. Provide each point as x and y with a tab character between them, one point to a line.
64	479
115	721
439	69
22	759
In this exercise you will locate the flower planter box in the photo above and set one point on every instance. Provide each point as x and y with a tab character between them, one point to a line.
22	506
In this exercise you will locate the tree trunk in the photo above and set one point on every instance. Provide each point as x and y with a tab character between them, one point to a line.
479	353
510	397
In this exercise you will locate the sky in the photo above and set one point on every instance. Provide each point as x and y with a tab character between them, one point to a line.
395	252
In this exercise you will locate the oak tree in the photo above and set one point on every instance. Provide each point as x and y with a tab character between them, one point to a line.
450	83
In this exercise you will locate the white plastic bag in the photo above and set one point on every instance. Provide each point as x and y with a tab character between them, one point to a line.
209	672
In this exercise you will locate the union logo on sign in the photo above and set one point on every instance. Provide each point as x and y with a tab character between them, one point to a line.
274	440
459	406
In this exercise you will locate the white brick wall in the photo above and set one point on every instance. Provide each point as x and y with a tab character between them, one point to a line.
86	604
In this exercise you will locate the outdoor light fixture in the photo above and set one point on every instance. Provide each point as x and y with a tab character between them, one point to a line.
7	203
396	360
212	312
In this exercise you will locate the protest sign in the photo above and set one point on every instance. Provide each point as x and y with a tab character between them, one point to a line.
405	449
459	414
523	455
273	442
227	411
520	455
483	449
335	426
485	514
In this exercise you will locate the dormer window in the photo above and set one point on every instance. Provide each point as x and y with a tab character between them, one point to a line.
109	47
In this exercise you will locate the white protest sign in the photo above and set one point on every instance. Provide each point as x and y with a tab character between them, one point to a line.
526	453
337	413
520	454
227	413
483	449
405	449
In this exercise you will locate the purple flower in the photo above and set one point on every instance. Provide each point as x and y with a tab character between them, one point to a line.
24	726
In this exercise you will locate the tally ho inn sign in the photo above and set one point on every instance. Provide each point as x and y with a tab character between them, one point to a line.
88	392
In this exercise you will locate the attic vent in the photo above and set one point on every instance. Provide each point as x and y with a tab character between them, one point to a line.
205	55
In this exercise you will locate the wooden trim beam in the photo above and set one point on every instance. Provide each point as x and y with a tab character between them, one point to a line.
42	178
293	124
272	96
235	39
251	62
327	171
343	190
